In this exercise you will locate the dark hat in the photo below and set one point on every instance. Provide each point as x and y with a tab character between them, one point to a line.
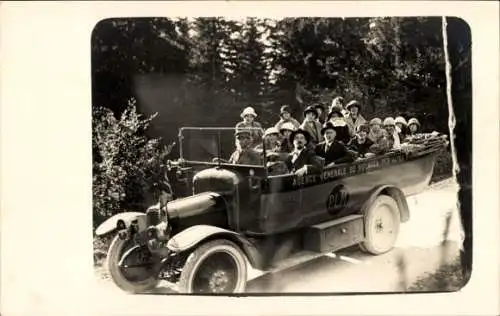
353	103
333	111
328	125
300	131
285	108
364	128
319	106
310	109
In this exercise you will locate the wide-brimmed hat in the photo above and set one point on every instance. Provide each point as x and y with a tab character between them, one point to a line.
375	120
271	130
401	120
389	121
287	126
319	106
353	103
413	120
328	125
284	108
248	111
300	131
310	109
334	110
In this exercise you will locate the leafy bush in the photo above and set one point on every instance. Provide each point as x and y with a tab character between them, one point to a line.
128	171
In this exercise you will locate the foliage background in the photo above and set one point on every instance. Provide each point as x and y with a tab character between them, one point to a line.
204	71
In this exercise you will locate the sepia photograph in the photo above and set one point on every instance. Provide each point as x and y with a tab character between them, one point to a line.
249	158
280	156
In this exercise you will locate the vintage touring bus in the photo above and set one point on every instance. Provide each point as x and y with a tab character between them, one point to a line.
239	215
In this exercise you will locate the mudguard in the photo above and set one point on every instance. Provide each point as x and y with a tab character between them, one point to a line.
193	235
111	223
393	192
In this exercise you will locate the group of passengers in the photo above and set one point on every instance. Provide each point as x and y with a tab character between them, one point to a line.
338	135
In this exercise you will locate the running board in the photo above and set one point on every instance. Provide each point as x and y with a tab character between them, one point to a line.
294	260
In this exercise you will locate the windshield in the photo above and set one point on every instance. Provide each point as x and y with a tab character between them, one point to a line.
207	144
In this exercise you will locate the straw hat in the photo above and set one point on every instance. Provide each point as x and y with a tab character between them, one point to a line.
248	111
287	126
413	121
389	121
376	121
401	120
271	130
353	103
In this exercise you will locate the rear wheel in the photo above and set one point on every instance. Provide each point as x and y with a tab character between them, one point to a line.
219	266
138	277
382	222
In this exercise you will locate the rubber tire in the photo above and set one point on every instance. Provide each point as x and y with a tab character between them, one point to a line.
113	257
201	253
367	245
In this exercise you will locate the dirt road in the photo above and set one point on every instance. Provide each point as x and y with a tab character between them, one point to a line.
418	245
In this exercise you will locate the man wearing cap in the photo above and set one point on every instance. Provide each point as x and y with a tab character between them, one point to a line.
354	119
244	154
361	144
311	125
302	160
330	149
248	115
286	117
390	127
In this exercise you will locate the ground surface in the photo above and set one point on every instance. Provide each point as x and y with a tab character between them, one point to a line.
419	247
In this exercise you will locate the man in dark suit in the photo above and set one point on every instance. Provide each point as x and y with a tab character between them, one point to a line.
302	160
333	151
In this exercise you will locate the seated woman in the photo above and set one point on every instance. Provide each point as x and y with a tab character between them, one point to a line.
286	130
333	151
413	127
271	140
361	144
379	137
401	127
286	117
336	118
390	127
311	125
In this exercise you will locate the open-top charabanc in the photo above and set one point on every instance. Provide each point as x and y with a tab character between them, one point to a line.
239	215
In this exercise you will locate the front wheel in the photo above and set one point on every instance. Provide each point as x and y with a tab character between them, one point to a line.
219	266
139	276
382	221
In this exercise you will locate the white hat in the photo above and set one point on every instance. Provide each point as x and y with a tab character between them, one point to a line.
287	126
248	111
413	121
271	130
389	121
401	120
